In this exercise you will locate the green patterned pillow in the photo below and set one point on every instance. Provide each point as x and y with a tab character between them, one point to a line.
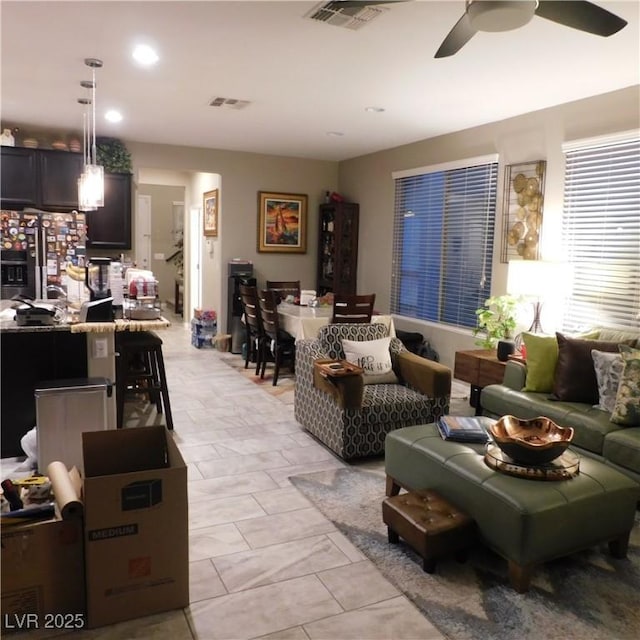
627	408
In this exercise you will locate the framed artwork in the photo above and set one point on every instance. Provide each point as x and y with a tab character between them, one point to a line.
522	210
210	208
282	222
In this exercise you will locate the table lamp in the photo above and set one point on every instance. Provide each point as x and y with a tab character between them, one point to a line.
537	279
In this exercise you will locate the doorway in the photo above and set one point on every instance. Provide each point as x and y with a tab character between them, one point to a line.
193	292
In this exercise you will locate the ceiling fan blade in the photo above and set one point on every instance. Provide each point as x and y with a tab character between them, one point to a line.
461	33
581	15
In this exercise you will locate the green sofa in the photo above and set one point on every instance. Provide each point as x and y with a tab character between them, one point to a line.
594	433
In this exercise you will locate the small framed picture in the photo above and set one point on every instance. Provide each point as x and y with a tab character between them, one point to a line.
282	222
210	208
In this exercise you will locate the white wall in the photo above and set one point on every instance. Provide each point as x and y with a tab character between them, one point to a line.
534	136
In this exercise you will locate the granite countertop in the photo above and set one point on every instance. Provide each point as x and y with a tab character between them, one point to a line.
9	325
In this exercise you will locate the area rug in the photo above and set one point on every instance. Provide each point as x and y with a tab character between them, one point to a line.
586	596
283	391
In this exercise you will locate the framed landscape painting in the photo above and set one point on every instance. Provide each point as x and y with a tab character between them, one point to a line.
282	222
210	209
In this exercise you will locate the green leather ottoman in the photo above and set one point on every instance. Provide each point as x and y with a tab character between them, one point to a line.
525	521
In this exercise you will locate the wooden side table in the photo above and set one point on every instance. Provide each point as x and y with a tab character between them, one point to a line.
479	368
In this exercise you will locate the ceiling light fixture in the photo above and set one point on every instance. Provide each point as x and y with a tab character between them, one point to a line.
145	55
374	109
113	116
335	134
91	182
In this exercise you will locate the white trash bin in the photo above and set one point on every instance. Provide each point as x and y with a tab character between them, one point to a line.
64	410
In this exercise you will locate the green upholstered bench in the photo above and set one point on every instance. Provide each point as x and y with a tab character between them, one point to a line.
525	521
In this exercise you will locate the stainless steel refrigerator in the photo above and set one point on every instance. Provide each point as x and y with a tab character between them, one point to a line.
37	247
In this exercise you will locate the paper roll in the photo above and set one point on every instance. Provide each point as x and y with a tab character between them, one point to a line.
66	490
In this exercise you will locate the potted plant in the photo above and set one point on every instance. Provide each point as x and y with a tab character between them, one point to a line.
113	155
496	320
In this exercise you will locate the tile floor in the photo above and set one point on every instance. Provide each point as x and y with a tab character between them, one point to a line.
264	562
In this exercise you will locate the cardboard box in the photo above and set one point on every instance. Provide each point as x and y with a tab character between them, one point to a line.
43	568
136	524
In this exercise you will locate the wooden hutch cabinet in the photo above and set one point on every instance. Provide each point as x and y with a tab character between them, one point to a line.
338	248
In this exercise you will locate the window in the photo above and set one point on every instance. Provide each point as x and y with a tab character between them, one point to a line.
443	240
601	231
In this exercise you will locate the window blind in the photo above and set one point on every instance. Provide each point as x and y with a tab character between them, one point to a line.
601	233
443	243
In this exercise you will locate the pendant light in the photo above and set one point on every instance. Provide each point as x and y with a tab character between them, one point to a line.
91	182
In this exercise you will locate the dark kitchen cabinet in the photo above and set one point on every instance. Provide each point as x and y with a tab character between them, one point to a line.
59	173
18	178
338	248
40	178
110	226
48	179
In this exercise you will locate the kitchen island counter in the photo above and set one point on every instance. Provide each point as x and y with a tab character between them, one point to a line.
33	354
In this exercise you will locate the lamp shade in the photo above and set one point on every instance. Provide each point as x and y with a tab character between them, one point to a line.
538	278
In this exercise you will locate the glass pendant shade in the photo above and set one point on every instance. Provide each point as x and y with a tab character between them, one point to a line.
91	187
91	181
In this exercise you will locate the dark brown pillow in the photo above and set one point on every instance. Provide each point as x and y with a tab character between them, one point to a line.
575	377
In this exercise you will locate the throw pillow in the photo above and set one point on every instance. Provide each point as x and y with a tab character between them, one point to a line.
632	338
627	408
374	357
542	354
608	368
575	376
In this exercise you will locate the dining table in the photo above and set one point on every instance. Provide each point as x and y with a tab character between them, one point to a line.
305	322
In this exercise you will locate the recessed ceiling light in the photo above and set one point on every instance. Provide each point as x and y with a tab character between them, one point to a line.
113	116
145	55
374	109
335	134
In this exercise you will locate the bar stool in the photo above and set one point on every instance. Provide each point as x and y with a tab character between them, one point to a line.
140	369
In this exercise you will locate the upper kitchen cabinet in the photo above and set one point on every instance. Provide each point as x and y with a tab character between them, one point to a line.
40	178
48	179
18	178
110	226
59	173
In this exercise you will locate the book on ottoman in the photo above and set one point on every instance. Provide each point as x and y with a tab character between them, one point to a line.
464	428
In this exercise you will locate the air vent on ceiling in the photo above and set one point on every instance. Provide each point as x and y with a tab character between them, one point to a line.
229	103
347	17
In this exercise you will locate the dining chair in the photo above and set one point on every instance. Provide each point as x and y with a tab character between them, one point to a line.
255	335
285	288
278	342
352	308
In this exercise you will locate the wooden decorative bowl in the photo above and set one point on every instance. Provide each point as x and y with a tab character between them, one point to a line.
533	442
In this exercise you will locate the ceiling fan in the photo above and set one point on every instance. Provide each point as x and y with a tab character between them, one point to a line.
486	15
505	15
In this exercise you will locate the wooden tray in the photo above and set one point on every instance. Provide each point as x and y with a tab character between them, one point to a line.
331	370
563	467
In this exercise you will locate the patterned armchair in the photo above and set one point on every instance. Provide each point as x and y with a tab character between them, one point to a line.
354	421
